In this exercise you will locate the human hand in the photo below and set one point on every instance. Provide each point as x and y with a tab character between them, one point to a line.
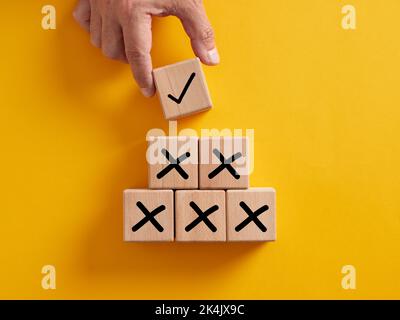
122	29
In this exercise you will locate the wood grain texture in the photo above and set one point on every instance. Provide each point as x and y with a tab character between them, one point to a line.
157	162
254	198
172	79
209	161
151	199
185	215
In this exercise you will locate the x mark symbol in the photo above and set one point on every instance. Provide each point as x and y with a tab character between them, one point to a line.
252	216
174	164
226	163
202	216
149	216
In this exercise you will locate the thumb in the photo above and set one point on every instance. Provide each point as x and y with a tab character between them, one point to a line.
198	27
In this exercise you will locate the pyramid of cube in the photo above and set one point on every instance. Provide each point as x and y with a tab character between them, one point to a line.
198	188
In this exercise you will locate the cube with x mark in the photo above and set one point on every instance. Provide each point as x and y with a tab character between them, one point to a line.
173	162
225	163
148	215
251	214
200	215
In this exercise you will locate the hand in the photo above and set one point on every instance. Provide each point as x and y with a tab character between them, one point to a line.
122	29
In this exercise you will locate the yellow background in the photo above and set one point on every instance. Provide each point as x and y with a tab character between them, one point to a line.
325	106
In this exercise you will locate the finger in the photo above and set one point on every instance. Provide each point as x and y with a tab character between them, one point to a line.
198	27
138	38
112	40
95	26
82	14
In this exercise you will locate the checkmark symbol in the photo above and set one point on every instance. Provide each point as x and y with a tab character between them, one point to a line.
185	89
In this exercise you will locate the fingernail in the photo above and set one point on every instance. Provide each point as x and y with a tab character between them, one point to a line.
147	92
213	56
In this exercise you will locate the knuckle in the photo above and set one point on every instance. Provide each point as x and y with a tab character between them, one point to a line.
191	3
197	2
179	7
207	34
76	16
108	6
129	9
129	15
134	55
173	7
80	16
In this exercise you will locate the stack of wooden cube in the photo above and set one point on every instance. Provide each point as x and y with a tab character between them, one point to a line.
199	191
198	188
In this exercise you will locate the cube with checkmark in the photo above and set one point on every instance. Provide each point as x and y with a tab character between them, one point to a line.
182	89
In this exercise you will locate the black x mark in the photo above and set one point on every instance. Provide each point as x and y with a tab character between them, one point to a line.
203	216
149	216
226	163
252	217
187	85
174	164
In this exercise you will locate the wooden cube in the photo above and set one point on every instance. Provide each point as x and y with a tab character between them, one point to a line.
148	215
251	214
173	162
200	215
225	163
182	89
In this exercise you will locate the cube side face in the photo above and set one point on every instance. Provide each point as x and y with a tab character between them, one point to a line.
163	152
213	152
172	80
188	223
148	215
247	215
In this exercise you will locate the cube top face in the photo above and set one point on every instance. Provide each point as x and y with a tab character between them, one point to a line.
251	215
173	162
148	215
224	163
200	215
182	89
